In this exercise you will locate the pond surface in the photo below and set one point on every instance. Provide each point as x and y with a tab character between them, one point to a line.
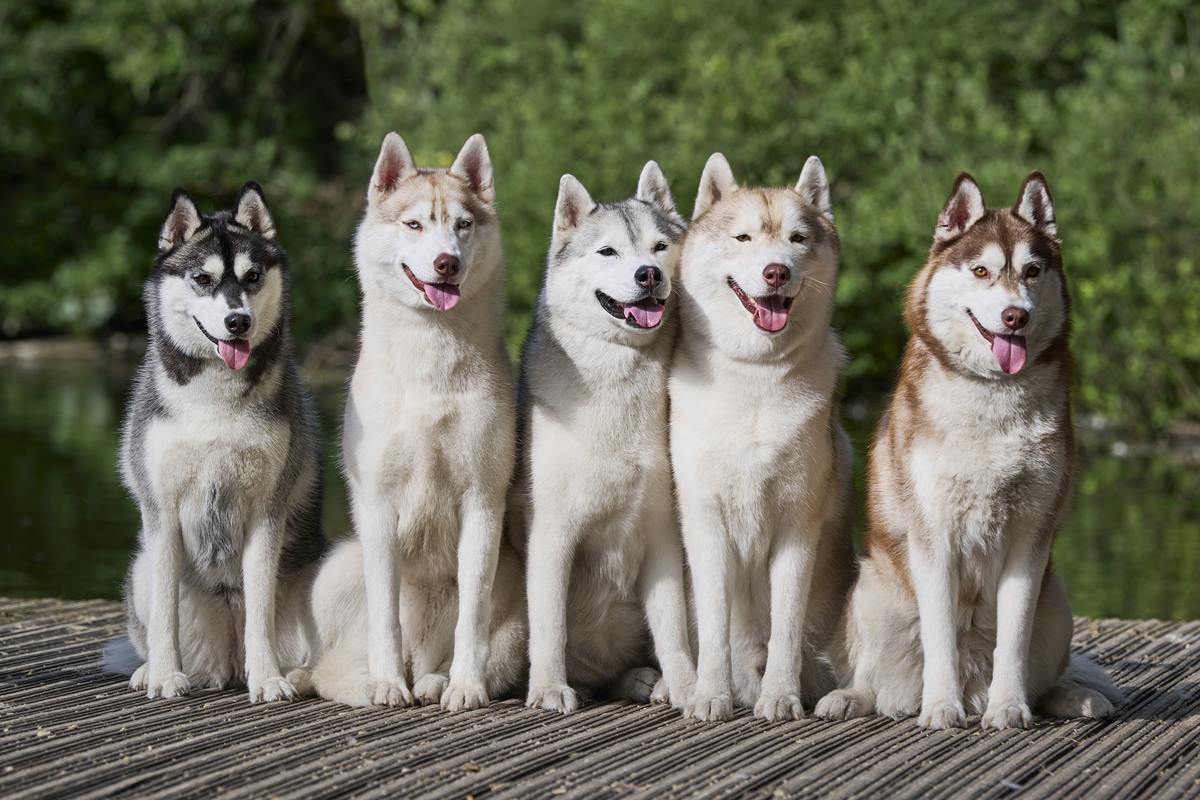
1130	546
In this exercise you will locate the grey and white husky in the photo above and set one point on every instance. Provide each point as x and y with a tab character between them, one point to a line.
426	603
762	465
594	480
956	610
220	450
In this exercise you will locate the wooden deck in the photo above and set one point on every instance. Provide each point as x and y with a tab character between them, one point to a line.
68	730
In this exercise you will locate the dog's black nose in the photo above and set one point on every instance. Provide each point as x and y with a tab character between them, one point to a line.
648	276
446	265
1014	318
237	323
776	275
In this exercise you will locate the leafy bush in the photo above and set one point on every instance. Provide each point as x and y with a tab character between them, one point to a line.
107	106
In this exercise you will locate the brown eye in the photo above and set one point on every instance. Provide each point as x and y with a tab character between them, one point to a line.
202	279
1033	271
797	237
659	247
607	251
253	276
743	237
413	224
979	271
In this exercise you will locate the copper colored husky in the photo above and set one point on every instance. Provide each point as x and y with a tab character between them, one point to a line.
957	610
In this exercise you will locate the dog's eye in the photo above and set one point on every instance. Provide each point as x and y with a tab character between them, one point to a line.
660	246
253	276
607	251
796	238
743	237
202	279
463	224
979	271
413	224
1033	271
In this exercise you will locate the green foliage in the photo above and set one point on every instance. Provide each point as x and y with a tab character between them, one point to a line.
106	106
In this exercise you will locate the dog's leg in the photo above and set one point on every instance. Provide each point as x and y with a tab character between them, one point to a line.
549	567
1016	602
936	585
260	572
427	620
661	587
708	556
375	520
791	579
164	676
478	550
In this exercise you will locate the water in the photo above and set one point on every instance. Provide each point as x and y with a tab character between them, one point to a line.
1130	546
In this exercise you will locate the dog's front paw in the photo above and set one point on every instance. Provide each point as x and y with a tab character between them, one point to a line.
427	691
1006	714
140	678
708	706
270	689
676	692
940	715
389	693
772	705
461	695
168	684
842	704
553	697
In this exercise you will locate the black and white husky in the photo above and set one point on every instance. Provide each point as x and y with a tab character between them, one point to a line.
220	450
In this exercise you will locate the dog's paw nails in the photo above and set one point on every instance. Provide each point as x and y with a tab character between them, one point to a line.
140	678
841	704
553	697
172	684
1009	714
389	693
464	696
773	706
942	715
270	690
708	707
428	689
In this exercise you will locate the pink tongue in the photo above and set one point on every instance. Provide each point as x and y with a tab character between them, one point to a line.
646	313
1010	352
770	313
444	296
235	354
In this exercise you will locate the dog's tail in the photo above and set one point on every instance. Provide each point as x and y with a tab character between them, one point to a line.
1084	690
341	672
339	610
120	657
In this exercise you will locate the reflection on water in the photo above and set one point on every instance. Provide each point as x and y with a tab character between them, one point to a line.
1130	548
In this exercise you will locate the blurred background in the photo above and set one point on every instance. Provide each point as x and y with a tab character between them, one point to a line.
105	106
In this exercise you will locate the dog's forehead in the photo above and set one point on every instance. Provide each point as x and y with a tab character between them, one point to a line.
628	222
771	211
999	238
434	195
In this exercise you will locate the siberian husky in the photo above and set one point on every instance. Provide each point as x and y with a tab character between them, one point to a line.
594	481
220	450
956	609
762	465
428	452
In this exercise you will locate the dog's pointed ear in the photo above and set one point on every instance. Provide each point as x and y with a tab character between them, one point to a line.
962	210
813	186
574	203
715	182
183	220
1035	206
394	165
252	211
653	189
474	165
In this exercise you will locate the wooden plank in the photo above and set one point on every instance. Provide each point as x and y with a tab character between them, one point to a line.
67	730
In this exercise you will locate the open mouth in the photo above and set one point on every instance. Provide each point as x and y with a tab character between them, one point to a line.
442	296
770	313
645	313
1008	348
234	352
